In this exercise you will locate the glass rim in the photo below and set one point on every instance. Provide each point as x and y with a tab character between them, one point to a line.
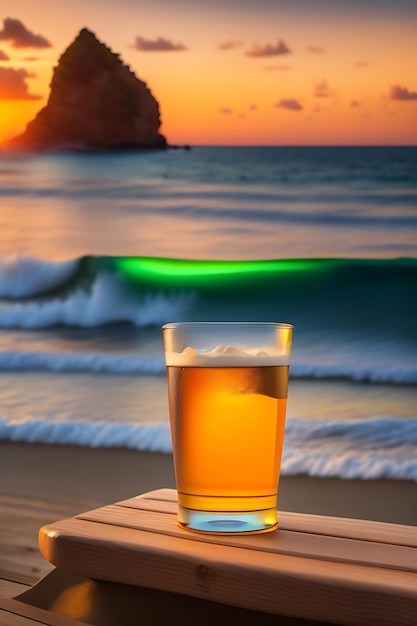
276	325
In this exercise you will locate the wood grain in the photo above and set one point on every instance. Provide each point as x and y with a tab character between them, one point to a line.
355	575
303	522
15	613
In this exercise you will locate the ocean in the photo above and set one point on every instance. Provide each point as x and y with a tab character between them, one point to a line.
98	250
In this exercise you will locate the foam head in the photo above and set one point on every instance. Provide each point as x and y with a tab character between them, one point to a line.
227	356
227	344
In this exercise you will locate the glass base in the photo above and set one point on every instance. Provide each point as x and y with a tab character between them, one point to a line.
247	522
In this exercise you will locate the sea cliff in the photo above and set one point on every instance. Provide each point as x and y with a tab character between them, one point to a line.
95	102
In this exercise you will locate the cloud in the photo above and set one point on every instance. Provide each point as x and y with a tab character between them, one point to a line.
253	107
315	49
361	64
20	37
398	92
226	111
322	90
160	44
289	103
276	68
13	85
229	45
268	50
355	103
3	56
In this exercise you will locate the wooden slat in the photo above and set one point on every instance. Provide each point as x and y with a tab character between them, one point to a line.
143	504
353	575
11	619
364	530
10	588
56	539
21	519
306	545
18	577
169	495
294	586
17	613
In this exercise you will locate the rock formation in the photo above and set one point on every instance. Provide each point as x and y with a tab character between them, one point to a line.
95	102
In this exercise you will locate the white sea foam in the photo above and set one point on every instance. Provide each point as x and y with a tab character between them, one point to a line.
80	362
380	447
372	373
15	360
107	301
227	356
147	437
22	276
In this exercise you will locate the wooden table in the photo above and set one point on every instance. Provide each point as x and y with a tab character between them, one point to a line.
315	569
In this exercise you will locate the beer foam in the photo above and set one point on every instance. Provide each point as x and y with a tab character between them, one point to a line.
227	356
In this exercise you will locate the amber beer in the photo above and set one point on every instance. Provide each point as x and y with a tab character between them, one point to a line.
227	411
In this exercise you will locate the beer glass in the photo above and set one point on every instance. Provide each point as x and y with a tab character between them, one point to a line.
227	392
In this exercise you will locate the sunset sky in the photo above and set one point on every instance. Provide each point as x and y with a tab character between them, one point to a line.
233	72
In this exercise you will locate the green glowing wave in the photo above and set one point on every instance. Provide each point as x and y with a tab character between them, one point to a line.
188	273
201	274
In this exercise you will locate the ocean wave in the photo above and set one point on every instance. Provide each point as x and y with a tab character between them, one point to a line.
107	300
125	364
374	448
321	297
394	374
175	193
381	447
14	360
325	214
22	276
146	437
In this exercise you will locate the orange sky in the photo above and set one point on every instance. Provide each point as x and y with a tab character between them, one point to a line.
234	72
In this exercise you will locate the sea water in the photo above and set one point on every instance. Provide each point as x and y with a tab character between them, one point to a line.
99	250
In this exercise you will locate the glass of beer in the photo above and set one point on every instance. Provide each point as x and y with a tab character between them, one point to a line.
227	392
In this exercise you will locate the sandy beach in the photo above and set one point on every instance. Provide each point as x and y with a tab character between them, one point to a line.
40	484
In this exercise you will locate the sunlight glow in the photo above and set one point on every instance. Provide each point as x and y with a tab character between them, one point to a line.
315	90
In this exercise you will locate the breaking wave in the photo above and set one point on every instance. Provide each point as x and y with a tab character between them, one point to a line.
106	300
120	364
355	313
380	447
21	276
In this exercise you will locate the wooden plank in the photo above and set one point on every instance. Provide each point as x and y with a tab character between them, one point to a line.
12	570
10	588
112	604
342	571
21	519
289	585
11	619
169	495
306	545
364	530
18	613
18	577
143	504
